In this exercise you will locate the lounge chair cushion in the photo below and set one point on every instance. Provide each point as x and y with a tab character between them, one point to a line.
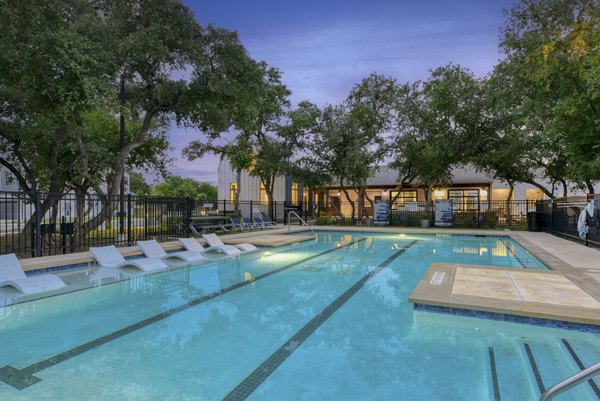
214	240
11	273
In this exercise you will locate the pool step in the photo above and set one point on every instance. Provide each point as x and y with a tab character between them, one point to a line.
523	370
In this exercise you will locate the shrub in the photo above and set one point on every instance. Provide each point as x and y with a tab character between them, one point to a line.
325	220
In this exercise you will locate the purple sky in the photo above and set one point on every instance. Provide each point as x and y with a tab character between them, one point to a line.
324	47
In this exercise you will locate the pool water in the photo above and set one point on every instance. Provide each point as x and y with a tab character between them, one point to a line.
326	319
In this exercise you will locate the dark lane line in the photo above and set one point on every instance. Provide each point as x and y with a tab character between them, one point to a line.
23	378
243	390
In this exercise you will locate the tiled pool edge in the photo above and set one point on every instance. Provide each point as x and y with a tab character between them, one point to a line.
504	317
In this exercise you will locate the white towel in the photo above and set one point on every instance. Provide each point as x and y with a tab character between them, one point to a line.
591	208
582	226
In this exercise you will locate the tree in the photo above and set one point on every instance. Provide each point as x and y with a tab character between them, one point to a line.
436	119
138	185
259	124
552	61
347	141
238	152
179	187
63	60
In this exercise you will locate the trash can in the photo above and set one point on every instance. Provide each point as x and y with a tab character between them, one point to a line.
535	221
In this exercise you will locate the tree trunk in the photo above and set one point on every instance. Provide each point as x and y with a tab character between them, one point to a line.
590	187
541	187
238	180
565	190
511	189
345	191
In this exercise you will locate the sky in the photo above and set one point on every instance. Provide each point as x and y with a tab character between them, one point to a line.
324	48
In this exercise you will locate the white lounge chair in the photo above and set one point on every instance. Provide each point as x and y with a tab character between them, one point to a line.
109	256
214	240
152	249
12	274
193	245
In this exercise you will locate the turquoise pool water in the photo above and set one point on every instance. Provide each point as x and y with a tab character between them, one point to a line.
326	319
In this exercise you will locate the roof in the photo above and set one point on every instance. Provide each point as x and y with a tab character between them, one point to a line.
386	176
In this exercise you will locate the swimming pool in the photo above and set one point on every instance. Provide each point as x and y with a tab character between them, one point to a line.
326	319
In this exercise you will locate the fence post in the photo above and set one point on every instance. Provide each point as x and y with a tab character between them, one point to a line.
128	219
188	218
284	214
224	206
38	224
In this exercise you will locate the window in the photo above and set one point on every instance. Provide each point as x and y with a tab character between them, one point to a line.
9	179
232	192
500	194
534	194
464	199
305	198
294	194
263	193
403	198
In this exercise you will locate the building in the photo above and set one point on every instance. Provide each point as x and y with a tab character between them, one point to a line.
16	205
470	190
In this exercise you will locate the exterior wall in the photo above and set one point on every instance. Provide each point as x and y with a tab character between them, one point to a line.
249	186
383	182
7	181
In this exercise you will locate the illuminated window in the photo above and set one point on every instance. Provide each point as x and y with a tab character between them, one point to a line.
404	197
534	194
464	199
263	193
294	193
233	192
305	198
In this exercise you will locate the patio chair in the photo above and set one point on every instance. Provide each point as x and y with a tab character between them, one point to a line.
214	240
249	223
266	221
257	221
152	249
193	245
12	274
238	223
109	256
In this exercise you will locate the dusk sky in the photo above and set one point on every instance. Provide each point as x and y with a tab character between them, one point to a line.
325	47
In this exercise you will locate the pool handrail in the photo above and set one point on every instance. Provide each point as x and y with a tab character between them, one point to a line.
301	220
570	382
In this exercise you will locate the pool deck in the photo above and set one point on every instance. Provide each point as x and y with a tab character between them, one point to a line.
570	291
271	237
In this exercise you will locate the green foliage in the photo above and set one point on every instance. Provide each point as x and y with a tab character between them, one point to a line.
178	187
138	185
61	64
550	75
436	119
325	220
411	219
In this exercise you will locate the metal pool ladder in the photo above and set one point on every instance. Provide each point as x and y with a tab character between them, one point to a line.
570	382
300	218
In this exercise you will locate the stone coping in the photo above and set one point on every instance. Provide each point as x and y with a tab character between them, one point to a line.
547	294
274	237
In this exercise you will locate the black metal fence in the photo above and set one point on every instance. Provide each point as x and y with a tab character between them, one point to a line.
41	224
561	216
484	214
